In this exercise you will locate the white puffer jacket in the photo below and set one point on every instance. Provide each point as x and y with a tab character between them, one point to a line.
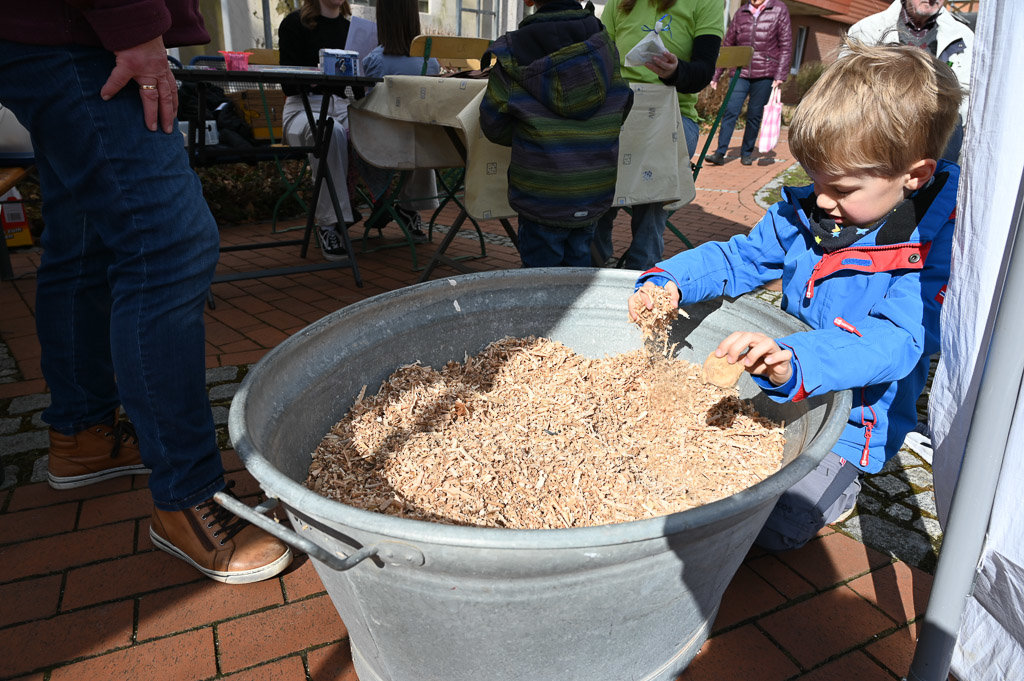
880	28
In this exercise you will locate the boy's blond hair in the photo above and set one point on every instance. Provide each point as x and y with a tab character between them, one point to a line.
876	110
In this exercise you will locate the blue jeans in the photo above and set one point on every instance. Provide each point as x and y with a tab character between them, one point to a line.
759	90
129	251
544	246
647	223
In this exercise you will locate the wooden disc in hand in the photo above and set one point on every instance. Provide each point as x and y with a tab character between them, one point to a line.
718	371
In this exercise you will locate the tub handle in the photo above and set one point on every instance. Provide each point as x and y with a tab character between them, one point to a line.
290	537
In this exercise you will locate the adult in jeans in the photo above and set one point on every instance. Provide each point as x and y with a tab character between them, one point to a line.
928	25
129	250
693	37
763	25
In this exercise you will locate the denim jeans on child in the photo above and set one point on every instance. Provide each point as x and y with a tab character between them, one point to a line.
759	89
647	223
129	251
543	246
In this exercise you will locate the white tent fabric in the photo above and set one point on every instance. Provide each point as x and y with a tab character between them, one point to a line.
990	645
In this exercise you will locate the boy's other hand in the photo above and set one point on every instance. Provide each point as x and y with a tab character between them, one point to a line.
763	355
643	298
664	65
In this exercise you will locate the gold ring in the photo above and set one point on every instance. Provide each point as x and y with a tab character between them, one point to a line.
147	87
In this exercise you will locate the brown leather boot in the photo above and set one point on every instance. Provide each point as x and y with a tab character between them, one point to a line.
219	544
94	454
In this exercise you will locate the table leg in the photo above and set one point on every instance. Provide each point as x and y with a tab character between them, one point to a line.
440	257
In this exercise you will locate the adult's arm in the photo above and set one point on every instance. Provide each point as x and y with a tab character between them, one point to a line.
694	75
784	31
123	24
731	37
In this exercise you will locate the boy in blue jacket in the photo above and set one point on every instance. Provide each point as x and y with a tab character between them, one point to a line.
555	95
864	256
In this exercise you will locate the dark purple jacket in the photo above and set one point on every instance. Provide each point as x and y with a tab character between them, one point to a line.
769	34
111	24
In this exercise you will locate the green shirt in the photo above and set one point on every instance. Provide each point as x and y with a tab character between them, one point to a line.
690	18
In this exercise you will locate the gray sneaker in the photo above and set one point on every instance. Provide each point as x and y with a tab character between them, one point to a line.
330	243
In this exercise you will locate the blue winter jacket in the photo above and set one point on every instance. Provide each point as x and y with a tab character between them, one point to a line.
873	307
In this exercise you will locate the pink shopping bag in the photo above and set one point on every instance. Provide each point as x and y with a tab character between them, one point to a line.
771	122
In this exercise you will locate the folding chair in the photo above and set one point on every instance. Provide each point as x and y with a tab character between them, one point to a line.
274	133
733	57
460	53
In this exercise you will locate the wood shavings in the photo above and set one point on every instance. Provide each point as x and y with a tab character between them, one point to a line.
530	435
656	323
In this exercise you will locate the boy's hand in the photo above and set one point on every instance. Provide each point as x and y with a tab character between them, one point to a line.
664	65
763	355
642	298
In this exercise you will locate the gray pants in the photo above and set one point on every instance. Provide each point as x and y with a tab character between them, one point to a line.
818	499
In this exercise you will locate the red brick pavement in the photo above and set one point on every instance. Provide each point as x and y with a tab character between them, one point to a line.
84	595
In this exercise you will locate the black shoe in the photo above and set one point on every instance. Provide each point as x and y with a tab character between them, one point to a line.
415	225
330	243
746	160
715	159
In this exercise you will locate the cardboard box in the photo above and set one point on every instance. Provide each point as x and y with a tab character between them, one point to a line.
12	217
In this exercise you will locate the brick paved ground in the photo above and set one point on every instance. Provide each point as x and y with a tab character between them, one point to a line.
84	595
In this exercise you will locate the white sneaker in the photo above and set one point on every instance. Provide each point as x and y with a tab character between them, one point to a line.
330	242
920	444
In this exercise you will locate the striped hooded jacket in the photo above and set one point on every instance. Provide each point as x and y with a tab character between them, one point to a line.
556	97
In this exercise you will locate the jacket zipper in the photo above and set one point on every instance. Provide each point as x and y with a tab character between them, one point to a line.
830	256
869	425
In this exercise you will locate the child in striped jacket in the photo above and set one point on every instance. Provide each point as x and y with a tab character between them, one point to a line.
556	97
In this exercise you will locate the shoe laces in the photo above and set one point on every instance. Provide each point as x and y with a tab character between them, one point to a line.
413	221
227	523
330	239
123	433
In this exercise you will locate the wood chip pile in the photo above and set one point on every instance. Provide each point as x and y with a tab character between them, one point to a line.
528	434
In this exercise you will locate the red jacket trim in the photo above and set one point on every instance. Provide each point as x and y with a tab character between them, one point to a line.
869	259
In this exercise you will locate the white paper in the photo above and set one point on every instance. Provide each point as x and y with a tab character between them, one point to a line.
362	36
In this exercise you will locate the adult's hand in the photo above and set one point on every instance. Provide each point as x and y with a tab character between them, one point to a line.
664	65
778	83
147	65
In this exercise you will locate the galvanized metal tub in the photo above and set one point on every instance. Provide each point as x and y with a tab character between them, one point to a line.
431	602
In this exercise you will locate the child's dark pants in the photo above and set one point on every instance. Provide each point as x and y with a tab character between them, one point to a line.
543	246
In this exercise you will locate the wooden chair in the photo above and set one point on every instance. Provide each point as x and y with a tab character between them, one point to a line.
452	51
268	126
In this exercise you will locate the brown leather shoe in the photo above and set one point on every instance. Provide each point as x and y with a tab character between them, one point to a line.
219	544
93	454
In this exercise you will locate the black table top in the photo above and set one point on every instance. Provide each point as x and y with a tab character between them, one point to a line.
312	80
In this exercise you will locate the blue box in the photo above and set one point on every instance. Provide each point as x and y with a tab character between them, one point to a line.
340	62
